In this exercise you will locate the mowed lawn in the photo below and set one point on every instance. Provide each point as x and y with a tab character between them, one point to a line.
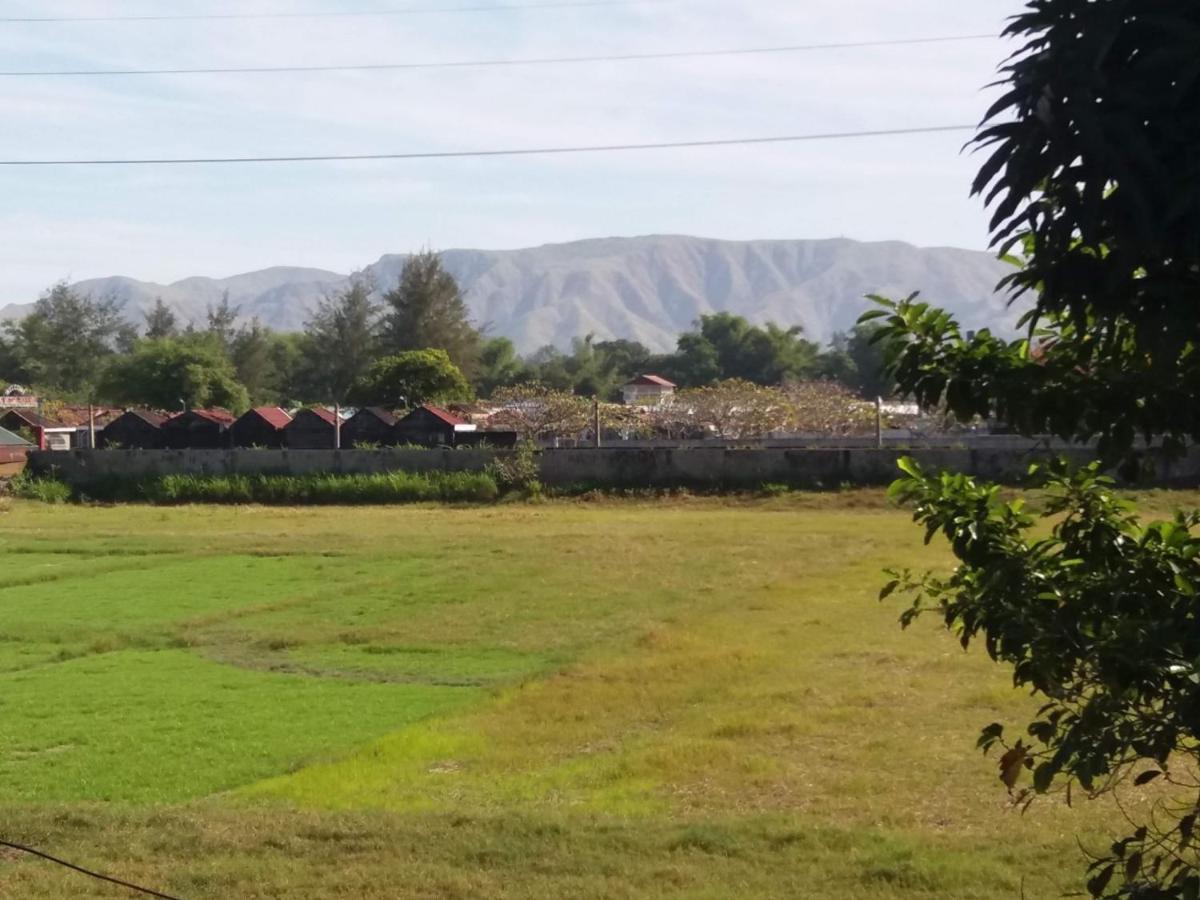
683	698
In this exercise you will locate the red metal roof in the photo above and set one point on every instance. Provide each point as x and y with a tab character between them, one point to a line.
379	413
656	380
272	415
150	418
325	415
32	419
448	417
217	416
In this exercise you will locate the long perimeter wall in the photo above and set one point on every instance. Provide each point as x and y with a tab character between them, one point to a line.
616	467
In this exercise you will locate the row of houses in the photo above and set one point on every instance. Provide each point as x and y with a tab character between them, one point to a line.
314	428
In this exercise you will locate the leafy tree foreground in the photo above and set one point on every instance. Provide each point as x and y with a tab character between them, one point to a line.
1094	172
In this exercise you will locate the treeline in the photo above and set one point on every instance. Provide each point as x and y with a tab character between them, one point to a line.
410	344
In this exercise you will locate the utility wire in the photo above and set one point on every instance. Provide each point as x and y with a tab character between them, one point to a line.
482	63
339	14
462	154
149	892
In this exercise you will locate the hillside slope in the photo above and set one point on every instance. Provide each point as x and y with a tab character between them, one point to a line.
644	288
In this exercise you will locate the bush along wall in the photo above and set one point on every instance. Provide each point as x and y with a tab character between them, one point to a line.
277	490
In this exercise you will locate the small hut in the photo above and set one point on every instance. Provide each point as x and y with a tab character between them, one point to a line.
261	427
198	429
431	426
134	429
371	425
311	429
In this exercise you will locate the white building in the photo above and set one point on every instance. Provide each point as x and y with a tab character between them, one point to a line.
647	390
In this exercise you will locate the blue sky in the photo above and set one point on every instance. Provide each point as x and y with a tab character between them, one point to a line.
165	224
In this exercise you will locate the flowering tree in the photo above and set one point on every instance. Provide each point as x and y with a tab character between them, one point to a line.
735	409
828	407
534	410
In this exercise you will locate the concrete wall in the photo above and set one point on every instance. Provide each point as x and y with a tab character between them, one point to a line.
618	467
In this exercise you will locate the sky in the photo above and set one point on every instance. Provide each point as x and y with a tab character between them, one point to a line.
164	224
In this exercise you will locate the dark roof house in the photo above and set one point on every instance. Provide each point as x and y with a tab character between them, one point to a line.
371	425
430	426
311	429
134	429
27	419
198	429
260	427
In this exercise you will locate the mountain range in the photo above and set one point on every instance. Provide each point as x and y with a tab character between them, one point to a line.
643	288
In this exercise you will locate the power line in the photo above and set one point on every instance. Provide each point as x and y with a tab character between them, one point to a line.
482	63
463	154
149	892
338	14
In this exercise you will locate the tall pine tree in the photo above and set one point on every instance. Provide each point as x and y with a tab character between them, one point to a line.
426	311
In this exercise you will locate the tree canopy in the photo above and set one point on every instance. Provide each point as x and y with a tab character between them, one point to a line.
426	310
62	345
1093	175
411	378
166	373
340	343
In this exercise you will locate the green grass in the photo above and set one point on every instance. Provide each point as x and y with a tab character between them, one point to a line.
685	698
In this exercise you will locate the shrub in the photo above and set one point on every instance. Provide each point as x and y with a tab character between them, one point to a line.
276	490
518	471
324	489
47	490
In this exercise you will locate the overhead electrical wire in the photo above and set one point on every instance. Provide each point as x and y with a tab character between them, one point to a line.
339	14
488	63
464	154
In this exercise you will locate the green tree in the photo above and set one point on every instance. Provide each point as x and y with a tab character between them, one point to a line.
166	373
426	310
255	354
856	359
1093	174
161	322
64	342
411	378
725	346
499	366
222	321
341	341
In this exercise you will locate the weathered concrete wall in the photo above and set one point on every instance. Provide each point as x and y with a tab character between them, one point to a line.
619	467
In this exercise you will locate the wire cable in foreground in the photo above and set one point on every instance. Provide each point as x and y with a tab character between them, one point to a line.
465	154
338	14
492	63
149	892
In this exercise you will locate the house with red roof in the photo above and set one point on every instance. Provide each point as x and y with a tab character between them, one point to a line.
262	427
647	390
371	426
314	428
198	429
431	426
134	429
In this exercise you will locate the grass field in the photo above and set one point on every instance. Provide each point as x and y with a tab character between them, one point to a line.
685	698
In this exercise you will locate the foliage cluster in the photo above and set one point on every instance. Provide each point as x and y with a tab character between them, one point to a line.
1094	163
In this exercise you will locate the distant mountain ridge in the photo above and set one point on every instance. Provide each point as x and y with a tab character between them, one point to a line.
643	288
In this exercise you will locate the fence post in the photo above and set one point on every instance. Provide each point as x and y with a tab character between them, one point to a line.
879	423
